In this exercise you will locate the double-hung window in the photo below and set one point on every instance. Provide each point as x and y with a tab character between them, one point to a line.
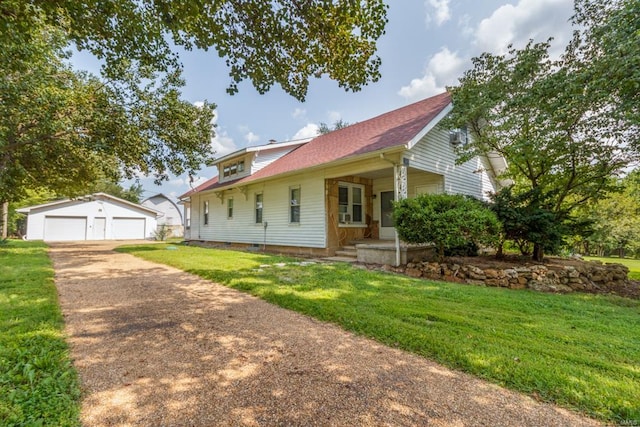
350	203
294	207
229	208
205	212
258	208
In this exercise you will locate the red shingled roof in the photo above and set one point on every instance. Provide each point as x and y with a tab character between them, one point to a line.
392	129
201	187
388	130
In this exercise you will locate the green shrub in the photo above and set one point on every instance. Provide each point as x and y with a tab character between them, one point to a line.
446	220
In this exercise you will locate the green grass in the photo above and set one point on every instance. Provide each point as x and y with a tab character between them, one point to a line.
38	385
580	351
633	264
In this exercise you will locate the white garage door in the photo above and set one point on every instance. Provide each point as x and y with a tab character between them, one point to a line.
128	228
57	228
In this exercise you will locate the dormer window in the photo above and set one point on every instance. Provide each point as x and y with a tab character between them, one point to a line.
231	169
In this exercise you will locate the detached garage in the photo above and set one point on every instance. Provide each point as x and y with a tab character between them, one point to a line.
95	217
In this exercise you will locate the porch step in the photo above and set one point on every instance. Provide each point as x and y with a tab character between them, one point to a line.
347	253
341	259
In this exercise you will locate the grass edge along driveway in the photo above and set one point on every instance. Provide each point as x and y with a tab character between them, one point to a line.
38	385
579	351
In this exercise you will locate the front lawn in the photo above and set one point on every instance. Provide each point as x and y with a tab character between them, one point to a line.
38	385
633	264
580	351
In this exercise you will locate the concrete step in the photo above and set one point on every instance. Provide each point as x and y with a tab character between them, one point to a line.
341	259
343	253
349	247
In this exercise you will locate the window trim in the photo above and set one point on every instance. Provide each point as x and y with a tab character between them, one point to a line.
350	186
230	208
256	208
298	204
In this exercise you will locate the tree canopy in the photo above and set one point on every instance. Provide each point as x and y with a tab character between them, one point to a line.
614	221
284	42
565	126
324	128
63	130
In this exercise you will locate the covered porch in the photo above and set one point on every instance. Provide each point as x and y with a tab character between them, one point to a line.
360	209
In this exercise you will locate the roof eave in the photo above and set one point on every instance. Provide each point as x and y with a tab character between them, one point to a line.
373	154
433	123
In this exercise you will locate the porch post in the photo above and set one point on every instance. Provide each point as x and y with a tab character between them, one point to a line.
400	189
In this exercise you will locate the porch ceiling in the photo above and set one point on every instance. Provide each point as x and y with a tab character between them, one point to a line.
383	173
380	173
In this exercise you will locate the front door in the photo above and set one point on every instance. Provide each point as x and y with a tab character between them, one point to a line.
387	232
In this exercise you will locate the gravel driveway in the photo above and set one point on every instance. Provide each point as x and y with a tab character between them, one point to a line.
155	346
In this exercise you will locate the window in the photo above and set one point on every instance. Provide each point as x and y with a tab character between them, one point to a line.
229	208
350	203
205	213
258	208
294	209
233	168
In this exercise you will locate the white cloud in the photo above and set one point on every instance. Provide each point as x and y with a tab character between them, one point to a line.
199	104
221	143
441	12
443	69
309	131
464	23
528	19
251	137
299	113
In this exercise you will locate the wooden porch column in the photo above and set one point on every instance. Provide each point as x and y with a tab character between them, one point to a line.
400	189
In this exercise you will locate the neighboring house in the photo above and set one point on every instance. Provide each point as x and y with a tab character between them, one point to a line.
97	216
312	197
170	217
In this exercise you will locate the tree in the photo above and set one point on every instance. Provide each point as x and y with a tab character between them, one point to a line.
526	220
446	220
610	44
337	125
283	42
132	194
615	220
554	121
63	130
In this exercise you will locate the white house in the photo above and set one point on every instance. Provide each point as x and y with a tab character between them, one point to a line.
170	214
313	197
94	217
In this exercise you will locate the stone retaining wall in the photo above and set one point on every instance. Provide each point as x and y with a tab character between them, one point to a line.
593	277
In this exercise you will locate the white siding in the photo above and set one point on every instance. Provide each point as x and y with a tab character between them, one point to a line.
89	210
265	157
242	228
434	153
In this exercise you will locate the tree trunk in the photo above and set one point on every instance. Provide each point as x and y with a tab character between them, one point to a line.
538	252
500	251
4	220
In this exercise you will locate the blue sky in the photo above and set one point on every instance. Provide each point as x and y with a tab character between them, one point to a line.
428	44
